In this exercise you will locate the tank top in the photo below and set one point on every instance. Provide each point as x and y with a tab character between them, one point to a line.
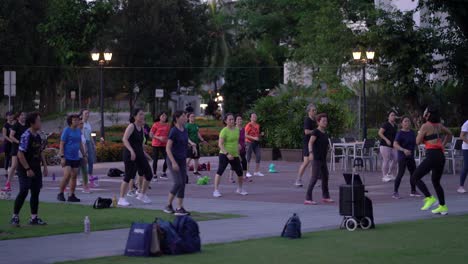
427	138
136	142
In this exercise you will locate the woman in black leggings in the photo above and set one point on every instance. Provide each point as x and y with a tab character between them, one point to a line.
135	158
434	135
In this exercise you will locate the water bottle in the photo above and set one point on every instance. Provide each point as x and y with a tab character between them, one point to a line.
114	201
53	176
87	225
208	166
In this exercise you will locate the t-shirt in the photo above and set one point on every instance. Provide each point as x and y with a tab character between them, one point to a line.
160	130
464	128
231	140
320	146
390	133
192	130
242	140
19	130
72	139
407	140
7	127
252	130
83	142
31	146
87	130
179	143
309	124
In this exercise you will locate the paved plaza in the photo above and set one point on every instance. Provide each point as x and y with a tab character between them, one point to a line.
271	200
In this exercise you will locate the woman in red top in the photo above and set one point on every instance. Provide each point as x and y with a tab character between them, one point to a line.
252	139
434	136
159	133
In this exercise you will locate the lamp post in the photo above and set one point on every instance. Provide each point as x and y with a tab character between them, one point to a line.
369	56
107	57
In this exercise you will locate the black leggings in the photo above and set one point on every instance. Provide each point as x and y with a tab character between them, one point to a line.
319	168
402	165
180	178
156	151
140	165
235	165
28	183
435	161
7	158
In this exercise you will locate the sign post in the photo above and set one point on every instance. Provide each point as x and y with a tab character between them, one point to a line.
73	97
158	93
9	86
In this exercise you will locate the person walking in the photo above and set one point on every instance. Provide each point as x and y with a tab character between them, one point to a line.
242	151
70	146
90	147
176	148
309	125
84	165
434	136
229	154
135	158
195	138
7	142
464	172
30	157
159	134
387	133
252	138
405	143
15	135
318	149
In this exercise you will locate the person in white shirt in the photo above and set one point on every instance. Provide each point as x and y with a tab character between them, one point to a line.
464	172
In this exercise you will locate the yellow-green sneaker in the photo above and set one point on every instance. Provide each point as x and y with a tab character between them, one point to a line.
441	209
428	202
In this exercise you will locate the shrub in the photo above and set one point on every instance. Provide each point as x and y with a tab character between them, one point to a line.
210	149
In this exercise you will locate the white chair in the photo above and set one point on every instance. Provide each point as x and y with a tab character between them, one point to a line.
336	153
365	151
454	153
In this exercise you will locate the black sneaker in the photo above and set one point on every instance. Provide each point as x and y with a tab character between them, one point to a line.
181	211
72	198
37	221
169	209
163	176
15	221
197	173
61	197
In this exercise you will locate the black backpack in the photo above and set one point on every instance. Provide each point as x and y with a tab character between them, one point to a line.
113	172
292	228
102	203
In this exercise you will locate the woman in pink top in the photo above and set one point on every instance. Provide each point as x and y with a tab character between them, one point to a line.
159	133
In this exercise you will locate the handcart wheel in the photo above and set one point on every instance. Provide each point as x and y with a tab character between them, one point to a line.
366	223
351	224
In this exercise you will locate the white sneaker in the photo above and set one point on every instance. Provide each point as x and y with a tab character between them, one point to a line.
386	179
144	198
131	193
78	183
217	194
241	191
461	190
123	202
391	176
248	175
259	174
298	183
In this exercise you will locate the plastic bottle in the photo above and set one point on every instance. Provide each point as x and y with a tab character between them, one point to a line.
114	201
87	225
53	176
208	166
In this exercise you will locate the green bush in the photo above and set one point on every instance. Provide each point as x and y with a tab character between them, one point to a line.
281	119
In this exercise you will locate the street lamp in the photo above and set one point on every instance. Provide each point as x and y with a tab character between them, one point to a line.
96	57
369	56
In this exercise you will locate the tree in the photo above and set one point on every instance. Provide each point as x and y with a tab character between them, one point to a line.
248	76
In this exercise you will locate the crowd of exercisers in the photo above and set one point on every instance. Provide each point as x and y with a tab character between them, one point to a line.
178	143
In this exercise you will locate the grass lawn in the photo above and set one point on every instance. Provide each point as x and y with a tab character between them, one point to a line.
437	240
68	218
